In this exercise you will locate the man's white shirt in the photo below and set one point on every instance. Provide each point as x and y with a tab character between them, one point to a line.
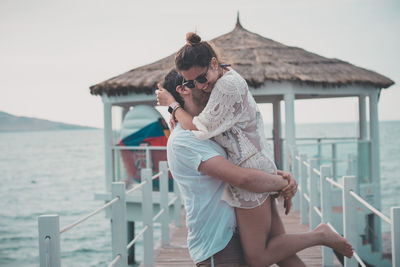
210	220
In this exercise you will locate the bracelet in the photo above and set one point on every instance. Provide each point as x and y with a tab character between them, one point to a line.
173	113
173	107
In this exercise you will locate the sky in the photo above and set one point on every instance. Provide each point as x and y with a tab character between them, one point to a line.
51	51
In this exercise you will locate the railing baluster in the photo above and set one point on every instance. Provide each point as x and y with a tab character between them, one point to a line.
148	160
326	210
334	161
319	153
350	217
303	190
313	216
147	210
118	225
49	241
350	190
395	217
351	165
163	167
49	230
296	199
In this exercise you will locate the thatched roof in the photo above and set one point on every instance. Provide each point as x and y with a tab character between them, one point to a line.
257	59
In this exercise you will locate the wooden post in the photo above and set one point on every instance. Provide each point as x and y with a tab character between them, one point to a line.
148	158
163	167
131	236
326	210
351	165
303	190
314	200
49	240
352	170
362	117
147	209
350	217
375	168
177	206
395	216
334	162
296	199
108	142
278	153
118	225
319	153
120	171
290	132
362	146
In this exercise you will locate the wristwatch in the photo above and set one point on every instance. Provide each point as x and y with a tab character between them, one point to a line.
174	106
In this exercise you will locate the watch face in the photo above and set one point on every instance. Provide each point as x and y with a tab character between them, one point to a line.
170	110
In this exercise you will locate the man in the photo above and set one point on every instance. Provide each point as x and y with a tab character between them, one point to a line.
201	170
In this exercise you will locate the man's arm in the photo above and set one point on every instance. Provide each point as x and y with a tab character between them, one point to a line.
250	179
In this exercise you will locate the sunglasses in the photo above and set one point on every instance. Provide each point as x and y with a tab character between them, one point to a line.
202	78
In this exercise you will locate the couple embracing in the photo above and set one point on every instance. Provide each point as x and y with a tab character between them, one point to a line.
219	157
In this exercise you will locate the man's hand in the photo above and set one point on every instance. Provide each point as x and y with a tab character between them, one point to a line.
172	122
287	204
289	191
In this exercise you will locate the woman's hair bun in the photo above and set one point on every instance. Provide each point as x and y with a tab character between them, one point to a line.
192	38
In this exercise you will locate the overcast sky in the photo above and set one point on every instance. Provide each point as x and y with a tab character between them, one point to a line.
52	51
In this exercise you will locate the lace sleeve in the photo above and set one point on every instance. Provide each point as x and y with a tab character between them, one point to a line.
224	108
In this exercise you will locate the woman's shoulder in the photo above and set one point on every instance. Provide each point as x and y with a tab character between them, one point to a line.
232	76
230	81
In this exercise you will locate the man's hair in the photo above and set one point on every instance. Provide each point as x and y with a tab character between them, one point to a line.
171	81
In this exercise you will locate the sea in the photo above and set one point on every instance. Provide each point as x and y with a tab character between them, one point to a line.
58	172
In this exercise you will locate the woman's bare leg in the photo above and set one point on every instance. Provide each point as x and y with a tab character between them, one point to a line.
255	226
277	228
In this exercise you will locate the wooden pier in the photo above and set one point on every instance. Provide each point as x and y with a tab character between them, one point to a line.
176	253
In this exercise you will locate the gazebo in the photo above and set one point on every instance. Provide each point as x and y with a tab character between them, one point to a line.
275	73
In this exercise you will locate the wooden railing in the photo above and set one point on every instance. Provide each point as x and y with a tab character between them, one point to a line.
315	205
49	230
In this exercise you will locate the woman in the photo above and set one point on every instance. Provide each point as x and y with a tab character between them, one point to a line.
232	119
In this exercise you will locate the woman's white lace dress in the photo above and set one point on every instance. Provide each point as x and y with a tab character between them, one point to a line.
232	118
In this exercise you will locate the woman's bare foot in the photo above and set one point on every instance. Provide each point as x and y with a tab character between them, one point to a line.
334	240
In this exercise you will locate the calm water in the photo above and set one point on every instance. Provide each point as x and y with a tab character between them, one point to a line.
58	173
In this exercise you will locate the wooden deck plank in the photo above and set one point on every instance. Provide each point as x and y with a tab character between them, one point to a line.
176	253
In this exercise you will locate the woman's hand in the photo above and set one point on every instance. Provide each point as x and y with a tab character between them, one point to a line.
164	98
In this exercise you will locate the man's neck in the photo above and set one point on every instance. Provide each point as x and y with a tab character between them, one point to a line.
193	109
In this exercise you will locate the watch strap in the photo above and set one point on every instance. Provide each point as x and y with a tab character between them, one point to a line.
173	107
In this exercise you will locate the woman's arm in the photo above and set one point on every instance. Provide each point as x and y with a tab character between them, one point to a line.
165	98
185	119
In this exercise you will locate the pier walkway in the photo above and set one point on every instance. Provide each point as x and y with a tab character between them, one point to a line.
176	253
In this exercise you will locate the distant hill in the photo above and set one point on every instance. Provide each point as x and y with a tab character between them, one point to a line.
11	123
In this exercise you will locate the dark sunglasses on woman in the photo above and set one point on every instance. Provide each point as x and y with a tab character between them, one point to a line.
202	78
